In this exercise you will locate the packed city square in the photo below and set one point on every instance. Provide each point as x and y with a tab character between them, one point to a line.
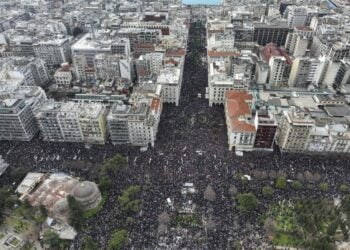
190	148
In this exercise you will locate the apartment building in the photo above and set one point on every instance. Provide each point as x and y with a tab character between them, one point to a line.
266	127
81	67
59	122
306	71
63	76
93	123
296	16
294	131
220	81
54	51
17	121
342	79
72	122
106	66
298	39
279	63
140	36
32	70
140	125
270	32
100	42
118	123
137	123
170	78
156	61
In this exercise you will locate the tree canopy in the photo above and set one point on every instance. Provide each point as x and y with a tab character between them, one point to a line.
247	202
76	214
52	239
267	191
128	200
119	240
281	182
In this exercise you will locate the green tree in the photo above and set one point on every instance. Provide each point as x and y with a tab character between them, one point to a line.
25	210
332	227
267	191
104	183
115	164
52	239
128	200
76	213
18	174
119	240
90	244
345	204
10	201
297	185
344	188
323	186
281	182
247	202
5	195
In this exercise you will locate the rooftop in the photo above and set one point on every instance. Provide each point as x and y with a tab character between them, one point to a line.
169	76
338	111
238	110
103	40
271	50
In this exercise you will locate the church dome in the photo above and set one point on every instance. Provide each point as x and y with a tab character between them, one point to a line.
60	208
87	193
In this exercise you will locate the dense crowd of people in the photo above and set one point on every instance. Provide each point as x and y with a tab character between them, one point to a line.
191	147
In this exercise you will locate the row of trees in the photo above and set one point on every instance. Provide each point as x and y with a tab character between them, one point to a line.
129	204
108	171
248	201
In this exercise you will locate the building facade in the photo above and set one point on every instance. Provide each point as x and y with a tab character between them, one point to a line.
17	121
241	131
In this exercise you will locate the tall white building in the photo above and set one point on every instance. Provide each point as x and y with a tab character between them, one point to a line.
294	131
306	71
32	70
156	61
137	123
72	122
100	42
277	76
299	31
53	51
220	81
171	80
118	123
296	16
301	46
279	64
17	121
80	67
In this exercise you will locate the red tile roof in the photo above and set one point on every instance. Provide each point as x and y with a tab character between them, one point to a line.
271	49
236	105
